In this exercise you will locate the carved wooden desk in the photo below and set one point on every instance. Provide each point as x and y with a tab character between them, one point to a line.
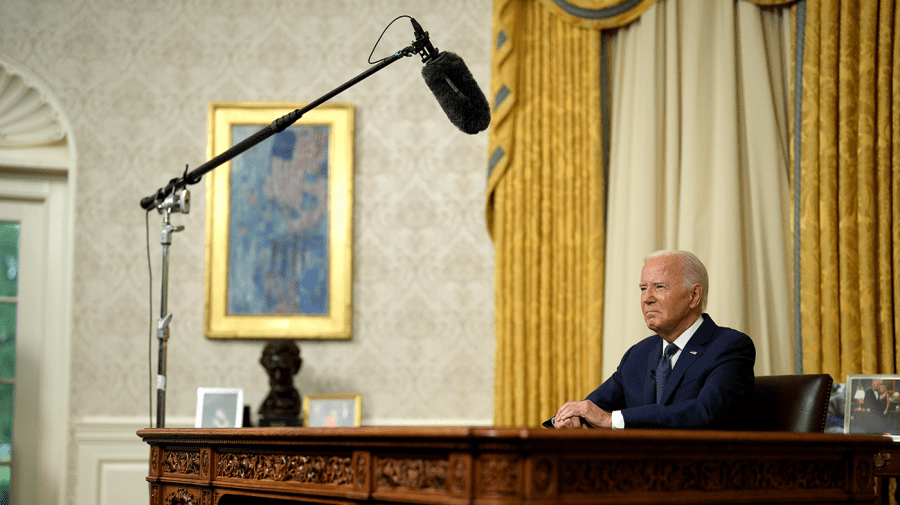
887	466
506	465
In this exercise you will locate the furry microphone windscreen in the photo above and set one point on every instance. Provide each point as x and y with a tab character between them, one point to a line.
457	92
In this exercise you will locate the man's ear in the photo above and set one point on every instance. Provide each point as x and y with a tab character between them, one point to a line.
696	296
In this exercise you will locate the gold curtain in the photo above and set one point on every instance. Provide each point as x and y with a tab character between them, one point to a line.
545	211
850	188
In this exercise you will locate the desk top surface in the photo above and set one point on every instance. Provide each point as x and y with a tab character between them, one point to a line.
518	437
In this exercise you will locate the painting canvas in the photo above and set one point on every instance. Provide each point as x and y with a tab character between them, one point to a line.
278	234
279	223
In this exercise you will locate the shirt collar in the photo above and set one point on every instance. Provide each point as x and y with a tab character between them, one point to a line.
685	337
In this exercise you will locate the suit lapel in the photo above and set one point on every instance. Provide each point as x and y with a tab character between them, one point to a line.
650	384
690	354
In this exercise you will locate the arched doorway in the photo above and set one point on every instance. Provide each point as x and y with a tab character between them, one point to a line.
37	175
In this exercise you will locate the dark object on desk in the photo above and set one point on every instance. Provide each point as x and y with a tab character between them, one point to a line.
281	359
797	403
246	423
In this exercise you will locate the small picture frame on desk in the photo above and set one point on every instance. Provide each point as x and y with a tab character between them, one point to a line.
872	405
219	408
332	411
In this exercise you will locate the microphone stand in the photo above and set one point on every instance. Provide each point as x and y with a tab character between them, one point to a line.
175	197
179	201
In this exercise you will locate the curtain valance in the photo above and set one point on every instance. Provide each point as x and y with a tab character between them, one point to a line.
605	14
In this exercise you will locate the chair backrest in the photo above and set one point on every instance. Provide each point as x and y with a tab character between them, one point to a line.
796	403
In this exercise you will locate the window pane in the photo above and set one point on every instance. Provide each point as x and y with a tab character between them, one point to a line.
7	340
4	485
9	277
6	414
9	258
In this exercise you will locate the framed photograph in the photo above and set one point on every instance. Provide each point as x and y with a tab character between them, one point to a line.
872	405
279	224
219	408
327	411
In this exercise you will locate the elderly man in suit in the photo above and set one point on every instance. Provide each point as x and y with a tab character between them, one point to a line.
691	374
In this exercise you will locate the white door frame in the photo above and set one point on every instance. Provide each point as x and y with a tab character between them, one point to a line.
37	174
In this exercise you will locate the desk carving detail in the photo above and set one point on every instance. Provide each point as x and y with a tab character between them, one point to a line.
335	470
668	475
460	471
412	474
511	466
180	462
181	497
500	475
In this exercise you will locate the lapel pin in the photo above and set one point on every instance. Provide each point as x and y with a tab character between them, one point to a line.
694	353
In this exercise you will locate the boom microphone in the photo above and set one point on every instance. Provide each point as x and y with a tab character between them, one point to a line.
453	86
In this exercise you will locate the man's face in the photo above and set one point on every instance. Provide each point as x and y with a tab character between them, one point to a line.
879	386
666	305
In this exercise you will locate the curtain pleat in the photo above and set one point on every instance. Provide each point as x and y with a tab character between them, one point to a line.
848	222
545	211
889	196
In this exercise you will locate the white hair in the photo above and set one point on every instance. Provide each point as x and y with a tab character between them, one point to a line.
692	270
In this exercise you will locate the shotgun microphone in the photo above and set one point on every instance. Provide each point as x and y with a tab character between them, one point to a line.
452	84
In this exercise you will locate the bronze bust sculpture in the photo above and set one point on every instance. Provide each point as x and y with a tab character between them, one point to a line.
281	359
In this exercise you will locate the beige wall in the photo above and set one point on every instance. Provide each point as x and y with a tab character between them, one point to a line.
135	79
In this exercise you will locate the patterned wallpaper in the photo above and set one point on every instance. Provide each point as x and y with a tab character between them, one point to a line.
135	79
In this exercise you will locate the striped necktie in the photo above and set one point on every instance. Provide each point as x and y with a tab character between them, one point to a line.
663	368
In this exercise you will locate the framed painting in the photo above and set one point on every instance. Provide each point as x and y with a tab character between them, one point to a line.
279	224
332	411
872	405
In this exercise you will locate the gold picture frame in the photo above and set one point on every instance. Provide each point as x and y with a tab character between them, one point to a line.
332	411
279	224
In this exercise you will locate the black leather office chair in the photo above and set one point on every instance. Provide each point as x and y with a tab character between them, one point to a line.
796	403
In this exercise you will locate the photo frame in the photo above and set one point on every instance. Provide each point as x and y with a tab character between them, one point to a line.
219	408
868	413
279	224
325	411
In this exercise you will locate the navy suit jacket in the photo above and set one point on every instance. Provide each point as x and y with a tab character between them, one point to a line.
710	387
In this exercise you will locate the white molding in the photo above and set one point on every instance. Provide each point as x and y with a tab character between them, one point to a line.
106	427
30	114
47	158
46	174
121	427
111	461
34	191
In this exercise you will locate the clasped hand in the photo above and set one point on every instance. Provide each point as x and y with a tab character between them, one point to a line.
583	414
